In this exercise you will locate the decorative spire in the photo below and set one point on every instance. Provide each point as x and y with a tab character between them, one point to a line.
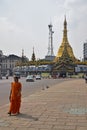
33	55
22	56
65	39
22	52
33	49
65	46
65	23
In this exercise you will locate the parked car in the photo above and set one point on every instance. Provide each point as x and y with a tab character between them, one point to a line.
30	78
38	77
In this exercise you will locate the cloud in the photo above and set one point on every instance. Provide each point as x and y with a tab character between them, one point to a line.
25	23
7	26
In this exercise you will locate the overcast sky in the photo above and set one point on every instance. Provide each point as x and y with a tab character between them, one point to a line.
24	25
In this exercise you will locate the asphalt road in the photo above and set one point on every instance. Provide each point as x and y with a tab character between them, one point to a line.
28	88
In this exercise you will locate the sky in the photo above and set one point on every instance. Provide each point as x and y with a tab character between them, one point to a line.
24	25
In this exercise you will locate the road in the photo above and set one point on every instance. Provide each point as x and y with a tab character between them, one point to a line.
28	88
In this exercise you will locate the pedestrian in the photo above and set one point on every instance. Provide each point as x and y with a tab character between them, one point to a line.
15	97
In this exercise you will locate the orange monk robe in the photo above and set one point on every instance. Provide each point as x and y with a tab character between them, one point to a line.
15	99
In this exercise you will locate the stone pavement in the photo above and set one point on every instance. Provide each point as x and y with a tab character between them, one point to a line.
61	107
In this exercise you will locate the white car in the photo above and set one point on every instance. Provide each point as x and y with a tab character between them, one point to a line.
30	78
38	77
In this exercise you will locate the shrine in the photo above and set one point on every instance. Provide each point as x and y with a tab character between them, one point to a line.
65	61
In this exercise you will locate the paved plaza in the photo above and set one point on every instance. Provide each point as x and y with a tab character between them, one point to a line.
61	107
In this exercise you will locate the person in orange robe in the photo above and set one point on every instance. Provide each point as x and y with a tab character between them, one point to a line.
15	97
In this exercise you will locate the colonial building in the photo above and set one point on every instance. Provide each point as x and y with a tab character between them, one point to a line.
7	63
1	57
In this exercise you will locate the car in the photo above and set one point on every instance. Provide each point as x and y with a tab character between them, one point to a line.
30	78
38	77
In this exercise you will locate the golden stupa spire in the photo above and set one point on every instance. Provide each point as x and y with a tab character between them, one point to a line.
65	45
65	39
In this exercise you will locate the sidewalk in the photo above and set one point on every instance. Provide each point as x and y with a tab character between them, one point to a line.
61	107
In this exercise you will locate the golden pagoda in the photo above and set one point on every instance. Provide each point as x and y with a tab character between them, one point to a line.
65	45
65	60
65	63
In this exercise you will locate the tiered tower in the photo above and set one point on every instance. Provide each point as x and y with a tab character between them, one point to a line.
33	58
65	45
65	60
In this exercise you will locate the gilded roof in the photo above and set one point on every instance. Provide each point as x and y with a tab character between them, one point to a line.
65	45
